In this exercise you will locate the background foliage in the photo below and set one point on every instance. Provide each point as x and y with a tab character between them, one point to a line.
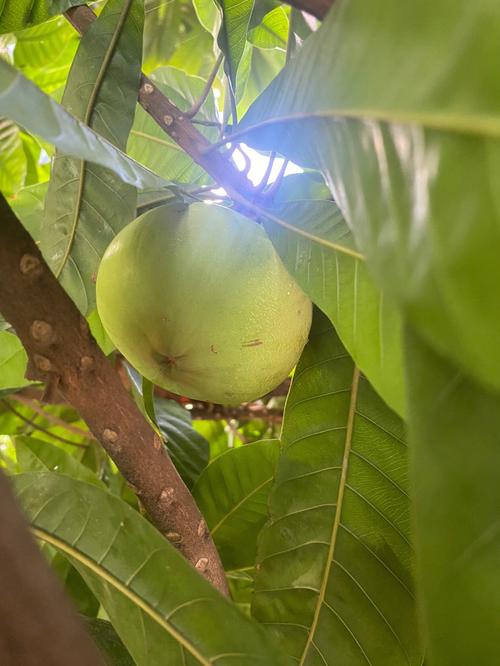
359	525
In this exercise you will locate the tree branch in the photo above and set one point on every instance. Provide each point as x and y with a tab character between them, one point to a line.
38	625
175	123
317	8
62	352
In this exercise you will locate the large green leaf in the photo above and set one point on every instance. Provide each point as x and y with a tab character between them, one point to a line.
272	32
410	153
151	146
86	204
12	158
335	560
35	455
44	53
18	98
28	205
162	20
19	14
454	429
109	643
188	449
233	33
13	361
162	609
232	494
368	325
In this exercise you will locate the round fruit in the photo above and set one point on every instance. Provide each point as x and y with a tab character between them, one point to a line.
198	301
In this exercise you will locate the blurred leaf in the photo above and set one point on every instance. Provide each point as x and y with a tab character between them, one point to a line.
100	335
209	15
45	52
334	575
232	493
108	642
257	69
233	33
151	146
214	432
87	205
187	448
162	20
35	455
158	604
12	158
368	324
273	30
18	14
194	53
241	586
28	205
13	361
397	145
18	97
454	425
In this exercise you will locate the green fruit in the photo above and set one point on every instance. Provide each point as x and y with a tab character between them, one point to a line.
198	301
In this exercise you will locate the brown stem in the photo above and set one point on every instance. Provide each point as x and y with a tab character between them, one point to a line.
38	625
59	345
175	123
317	8
52	418
191	112
35	426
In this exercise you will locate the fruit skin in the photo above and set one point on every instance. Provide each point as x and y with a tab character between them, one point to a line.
198	301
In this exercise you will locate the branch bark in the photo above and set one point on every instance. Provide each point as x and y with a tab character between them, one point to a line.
63	354
317	8
175	123
38	625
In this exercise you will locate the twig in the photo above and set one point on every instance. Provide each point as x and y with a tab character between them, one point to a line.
51	417
267	172
174	122
190	113
34	425
274	187
58	342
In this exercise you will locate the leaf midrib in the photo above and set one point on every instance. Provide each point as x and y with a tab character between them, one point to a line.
108	55
338	511
118	585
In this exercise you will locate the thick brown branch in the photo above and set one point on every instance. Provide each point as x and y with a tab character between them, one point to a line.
175	123
38	624
317	8
60	347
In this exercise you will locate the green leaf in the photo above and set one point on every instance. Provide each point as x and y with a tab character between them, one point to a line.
87	205
19	14
158	604
13	361
12	158
209	15
454	426
28	205
338	283
272	32
335	560
35	455
232	494
100	335
397	146
162	21
188	449
151	146
18	97
45	52
108	642
233	33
